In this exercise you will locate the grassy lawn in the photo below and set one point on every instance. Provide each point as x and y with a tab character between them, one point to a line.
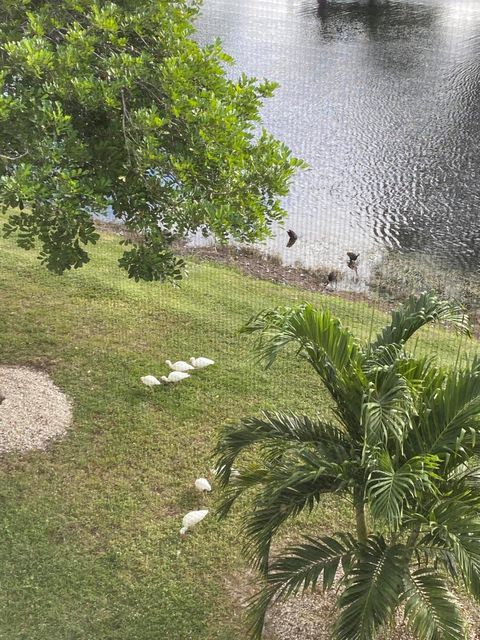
90	528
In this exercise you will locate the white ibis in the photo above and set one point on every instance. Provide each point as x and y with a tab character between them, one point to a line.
150	381
175	376
180	365
201	363
191	519
202	485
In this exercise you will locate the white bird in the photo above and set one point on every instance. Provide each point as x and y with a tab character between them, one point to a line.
201	363
202	484
191	519
175	376
180	365
150	381
234	473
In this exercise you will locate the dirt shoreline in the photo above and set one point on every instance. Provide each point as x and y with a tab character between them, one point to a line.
256	264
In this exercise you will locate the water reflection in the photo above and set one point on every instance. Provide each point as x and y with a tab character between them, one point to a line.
381	97
375	18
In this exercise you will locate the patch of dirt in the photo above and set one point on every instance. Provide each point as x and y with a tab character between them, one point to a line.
311	616
33	410
262	266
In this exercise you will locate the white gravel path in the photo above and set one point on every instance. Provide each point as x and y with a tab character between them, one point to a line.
33	410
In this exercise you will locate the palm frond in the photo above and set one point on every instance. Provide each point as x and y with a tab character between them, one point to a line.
383	356
386	409
374	586
389	489
300	568
416	313
287	491
319	337
282	429
454	527
422	375
430	608
449	421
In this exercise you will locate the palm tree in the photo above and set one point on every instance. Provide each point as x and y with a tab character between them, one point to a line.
402	447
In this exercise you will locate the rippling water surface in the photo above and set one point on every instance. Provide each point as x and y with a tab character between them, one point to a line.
382	100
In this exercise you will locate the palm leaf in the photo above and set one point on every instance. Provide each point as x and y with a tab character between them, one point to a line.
389	490
383	356
287	491
319	337
278	429
385	409
454	534
430	608
374	586
422	375
449	420
301	568
416	313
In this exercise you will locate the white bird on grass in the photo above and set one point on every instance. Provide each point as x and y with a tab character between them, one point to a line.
175	376
202	485
180	365
191	519
201	363
150	381
234	473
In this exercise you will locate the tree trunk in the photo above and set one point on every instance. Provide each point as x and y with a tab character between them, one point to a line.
362	532
412	538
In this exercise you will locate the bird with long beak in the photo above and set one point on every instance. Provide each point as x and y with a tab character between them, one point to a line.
192	518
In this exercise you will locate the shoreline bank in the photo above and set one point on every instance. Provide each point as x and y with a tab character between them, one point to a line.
392	281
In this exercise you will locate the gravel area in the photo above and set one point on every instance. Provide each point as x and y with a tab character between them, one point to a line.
311	616
33	410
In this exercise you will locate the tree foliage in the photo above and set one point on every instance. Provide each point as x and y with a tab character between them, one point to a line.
403	449
114	104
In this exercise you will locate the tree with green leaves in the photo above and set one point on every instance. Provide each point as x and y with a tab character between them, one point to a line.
402	448
113	104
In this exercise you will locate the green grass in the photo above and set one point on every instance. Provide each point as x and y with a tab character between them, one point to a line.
90	528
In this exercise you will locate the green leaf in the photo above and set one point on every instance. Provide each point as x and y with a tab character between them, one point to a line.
418	312
430	608
390	490
386	409
277	429
449	420
374	586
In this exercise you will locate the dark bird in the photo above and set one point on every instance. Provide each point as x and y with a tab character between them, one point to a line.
351	264
292	238
332	279
353	256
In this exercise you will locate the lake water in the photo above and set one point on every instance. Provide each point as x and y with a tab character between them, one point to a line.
381	98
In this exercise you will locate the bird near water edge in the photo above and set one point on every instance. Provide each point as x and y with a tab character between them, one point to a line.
292	238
